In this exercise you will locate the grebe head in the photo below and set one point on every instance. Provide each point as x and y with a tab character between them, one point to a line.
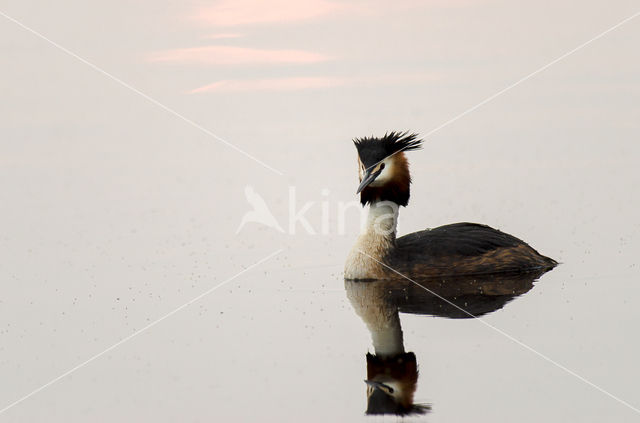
391	384
383	167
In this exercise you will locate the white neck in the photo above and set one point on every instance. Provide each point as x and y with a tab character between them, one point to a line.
386	335
376	239
382	219
370	302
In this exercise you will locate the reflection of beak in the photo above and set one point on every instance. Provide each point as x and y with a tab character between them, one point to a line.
379	385
369	176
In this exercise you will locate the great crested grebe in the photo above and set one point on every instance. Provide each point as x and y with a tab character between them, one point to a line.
459	248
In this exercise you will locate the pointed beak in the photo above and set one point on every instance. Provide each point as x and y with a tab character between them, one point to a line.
369	176
378	385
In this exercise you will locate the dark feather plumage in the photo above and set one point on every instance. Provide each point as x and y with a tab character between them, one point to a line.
399	193
464	248
457	239
373	150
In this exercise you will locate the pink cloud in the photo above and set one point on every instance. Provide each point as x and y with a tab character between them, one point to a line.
305	83
223	35
274	84
244	12
229	13
228	55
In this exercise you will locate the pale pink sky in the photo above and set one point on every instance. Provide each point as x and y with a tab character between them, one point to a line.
231	55
273	84
228	13
243	12
304	83
223	35
257	17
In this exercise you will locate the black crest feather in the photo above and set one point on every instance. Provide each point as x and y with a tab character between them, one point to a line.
373	150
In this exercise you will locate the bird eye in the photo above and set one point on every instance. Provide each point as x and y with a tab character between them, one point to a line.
382	166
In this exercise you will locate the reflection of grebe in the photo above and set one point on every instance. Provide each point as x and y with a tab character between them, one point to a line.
461	248
392	373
